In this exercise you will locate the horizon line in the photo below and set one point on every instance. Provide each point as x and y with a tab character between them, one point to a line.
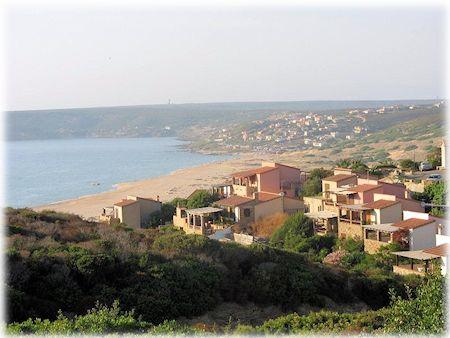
222	102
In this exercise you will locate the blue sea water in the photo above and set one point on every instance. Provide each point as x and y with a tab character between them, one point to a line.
45	171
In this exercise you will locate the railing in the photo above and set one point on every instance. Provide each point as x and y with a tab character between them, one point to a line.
353	221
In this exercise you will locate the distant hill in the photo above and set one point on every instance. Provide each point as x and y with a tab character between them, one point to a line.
159	120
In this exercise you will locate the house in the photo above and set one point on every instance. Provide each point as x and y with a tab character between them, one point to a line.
412	234
271	177
200	221
133	211
352	218
246	210
384	211
331	184
407	203
325	222
443	155
419	261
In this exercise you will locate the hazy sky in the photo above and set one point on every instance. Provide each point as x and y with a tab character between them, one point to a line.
107	56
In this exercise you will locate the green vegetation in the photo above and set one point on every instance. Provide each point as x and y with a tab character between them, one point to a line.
357	165
200	198
434	156
313	185
60	266
408	164
434	193
423	314
61	262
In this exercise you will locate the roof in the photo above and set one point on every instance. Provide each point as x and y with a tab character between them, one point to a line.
413	223
338	177
322	214
124	203
381	204
202	211
148	199
353	206
251	172
418	254
387	227
364	187
233	201
285	165
440	250
267	196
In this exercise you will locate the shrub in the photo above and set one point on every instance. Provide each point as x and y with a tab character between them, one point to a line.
294	230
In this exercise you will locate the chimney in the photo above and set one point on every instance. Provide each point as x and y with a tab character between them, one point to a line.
157	198
406	194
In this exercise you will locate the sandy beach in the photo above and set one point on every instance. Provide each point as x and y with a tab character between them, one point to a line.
180	183
183	182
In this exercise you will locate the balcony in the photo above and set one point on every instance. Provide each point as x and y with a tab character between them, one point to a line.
244	190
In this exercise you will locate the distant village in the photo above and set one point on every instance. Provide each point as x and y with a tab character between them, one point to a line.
291	131
378	211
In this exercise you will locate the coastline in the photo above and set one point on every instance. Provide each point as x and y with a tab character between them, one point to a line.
179	183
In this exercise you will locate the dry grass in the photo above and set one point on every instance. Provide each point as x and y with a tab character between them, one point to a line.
265	227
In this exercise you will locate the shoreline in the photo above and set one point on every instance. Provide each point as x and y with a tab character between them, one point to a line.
178	183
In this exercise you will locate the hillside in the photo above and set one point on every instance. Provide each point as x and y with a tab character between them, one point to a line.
159	120
410	139
58	261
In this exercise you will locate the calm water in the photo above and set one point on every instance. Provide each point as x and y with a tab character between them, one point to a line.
41	172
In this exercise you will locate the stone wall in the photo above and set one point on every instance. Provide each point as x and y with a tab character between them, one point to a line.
345	229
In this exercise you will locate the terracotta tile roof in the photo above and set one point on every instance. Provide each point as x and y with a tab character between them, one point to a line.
338	178
380	204
252	172
267	196
234	201
440	250
413	223
124	203
364	187
287	166
148	199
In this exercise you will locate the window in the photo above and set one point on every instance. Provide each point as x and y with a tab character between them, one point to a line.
247	212
385	237
327	187
371	234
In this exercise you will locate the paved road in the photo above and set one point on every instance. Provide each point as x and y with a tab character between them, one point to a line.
424	174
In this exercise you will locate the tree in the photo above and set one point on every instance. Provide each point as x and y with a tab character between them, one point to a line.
320	173
408	164
313	185
293	232
201	198
434	157
424	314
357	166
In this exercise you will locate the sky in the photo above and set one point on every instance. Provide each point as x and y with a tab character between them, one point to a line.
109	56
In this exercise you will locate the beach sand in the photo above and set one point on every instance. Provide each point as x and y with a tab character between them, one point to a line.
180	183
183	182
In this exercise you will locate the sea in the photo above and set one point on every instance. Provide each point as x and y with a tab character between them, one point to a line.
44	171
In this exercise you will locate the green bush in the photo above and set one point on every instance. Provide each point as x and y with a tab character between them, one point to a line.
295	229
99	320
